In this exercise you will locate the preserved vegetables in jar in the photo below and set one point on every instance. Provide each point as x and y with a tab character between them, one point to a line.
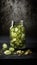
17	34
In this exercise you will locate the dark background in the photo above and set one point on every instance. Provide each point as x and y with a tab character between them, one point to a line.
17	10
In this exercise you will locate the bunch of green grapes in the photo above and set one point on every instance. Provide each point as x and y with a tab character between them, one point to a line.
17	35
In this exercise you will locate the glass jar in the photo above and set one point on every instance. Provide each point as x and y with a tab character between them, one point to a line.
17	35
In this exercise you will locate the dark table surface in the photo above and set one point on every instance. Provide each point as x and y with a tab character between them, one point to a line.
30	43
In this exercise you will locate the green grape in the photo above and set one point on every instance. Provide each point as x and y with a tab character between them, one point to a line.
18	33
11	49
12	30
13	34
16	29
7	52
19	36
11	44
17	43
14	39
4	46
